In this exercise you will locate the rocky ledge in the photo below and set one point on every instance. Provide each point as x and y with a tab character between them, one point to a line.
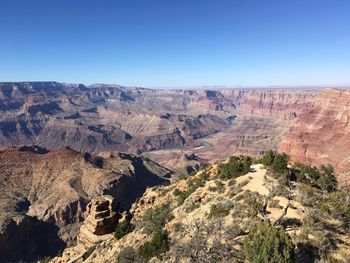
101	220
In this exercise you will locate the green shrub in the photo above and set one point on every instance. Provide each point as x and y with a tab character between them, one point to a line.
266	244
338	205
268	157
236	166
221	209
327	180
156	218
123	228
193	184
129	255
280	163
155	247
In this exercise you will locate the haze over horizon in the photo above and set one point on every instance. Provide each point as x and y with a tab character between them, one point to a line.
176	44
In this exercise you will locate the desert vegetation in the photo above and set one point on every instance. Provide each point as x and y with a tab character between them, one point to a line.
236	166
265	244
243	210
123	228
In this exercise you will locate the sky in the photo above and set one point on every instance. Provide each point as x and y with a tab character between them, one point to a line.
176	43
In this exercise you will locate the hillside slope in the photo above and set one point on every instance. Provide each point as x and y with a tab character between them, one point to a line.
208	217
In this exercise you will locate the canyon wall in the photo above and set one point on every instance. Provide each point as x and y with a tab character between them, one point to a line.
321	133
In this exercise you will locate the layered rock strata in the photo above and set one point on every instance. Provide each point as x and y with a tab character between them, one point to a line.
100	221
321	134
99	224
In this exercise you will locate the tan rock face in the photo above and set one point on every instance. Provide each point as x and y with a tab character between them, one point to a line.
100	221
101	216
321	134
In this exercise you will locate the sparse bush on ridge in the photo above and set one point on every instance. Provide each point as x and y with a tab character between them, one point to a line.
266	241
220	209
236	166
123	228
129	255
280	163
156	218
231	182
268	157
338	205
158	245
277	161
219	187
193	184
266	244
322	177
255	202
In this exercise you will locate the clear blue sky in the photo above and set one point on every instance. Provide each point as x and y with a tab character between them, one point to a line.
176	42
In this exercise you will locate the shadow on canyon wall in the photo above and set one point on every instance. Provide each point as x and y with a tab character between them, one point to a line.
29	241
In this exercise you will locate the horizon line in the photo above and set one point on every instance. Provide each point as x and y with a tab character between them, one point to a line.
215	86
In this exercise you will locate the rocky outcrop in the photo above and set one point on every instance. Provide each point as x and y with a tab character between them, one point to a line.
101	220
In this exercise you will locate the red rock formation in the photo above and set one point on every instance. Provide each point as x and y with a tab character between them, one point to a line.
284	104
321	134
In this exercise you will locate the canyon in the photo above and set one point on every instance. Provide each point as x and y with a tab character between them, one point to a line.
209	123
62	145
